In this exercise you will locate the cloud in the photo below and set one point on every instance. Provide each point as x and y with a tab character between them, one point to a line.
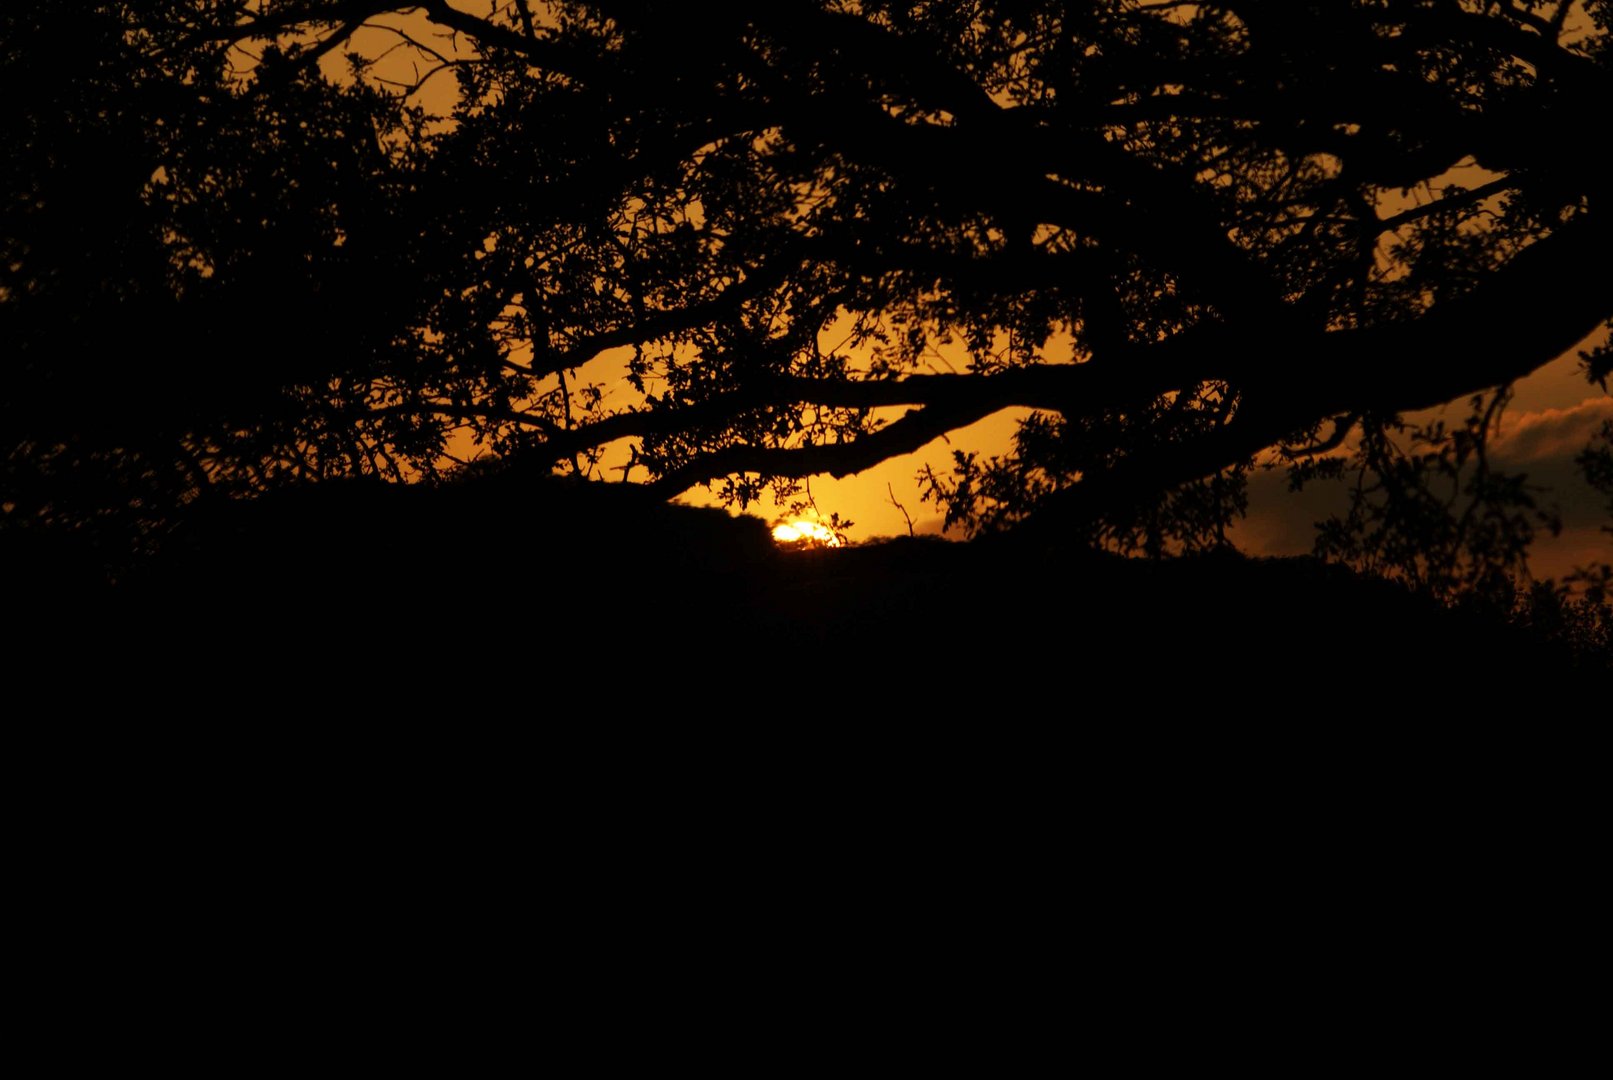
1541	444
1551	435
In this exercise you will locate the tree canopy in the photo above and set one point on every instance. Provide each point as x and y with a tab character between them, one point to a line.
239	255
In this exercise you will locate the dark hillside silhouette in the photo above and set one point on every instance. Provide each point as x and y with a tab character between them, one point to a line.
363	577
585	552
612	580
252	296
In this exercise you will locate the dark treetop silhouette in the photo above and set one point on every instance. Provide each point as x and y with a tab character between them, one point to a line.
1184	234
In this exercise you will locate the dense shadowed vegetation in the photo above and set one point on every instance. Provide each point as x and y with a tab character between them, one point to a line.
241	262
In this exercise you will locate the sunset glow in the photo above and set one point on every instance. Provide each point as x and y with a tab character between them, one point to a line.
803	532
1107	340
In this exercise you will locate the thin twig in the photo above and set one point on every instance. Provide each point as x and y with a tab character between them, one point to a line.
900	507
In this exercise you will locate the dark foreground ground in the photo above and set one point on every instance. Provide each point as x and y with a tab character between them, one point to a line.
457	590
487	695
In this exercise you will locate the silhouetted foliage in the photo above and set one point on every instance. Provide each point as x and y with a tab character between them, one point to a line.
1432	513
239	256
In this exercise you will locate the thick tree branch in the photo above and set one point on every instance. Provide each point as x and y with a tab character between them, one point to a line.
660	324
1446	204
543	52
1518	319
904	436
1461	347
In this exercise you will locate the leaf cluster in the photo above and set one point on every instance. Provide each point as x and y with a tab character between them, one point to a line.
730	247
1427	508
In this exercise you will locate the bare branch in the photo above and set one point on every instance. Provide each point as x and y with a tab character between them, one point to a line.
1467	197
1342	426
904	436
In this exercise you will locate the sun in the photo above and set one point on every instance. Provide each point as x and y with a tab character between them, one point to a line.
801	531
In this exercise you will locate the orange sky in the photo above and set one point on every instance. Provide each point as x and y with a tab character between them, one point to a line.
1556	400
1552	416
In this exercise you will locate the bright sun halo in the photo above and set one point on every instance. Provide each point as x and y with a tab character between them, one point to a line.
800	532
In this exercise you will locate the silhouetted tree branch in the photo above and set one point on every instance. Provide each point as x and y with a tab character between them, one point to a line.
1203	231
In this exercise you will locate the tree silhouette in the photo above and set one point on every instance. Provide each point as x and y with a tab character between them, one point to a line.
1182	234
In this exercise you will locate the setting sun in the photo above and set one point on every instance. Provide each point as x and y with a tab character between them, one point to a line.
805	532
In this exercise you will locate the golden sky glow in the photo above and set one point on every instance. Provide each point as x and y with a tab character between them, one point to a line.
886	500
